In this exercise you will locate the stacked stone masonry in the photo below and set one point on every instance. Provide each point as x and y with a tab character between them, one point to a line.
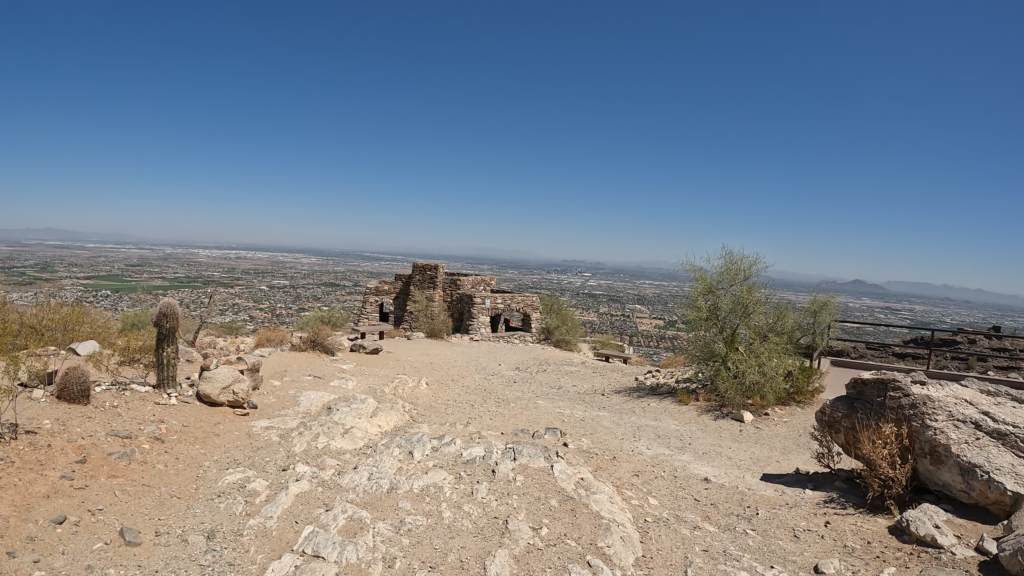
475	304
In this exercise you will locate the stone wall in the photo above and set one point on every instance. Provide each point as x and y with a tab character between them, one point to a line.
480	307
465	296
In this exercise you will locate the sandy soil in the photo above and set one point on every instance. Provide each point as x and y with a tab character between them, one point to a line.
356	470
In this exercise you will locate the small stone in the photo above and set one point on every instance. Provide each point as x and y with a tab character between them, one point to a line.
81	460
251	405
37	394
925	524
743	416
890	571
830	566
986	546
120	434
33	558
131	537
67	477
59	519
13	553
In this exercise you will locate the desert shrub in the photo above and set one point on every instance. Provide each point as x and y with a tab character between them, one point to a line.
130	354
673	361
272	337
430	316
334	318
33	371
885	448
207	342
317	340
685	396
226	329
561	326
74	386
605	342
826	453
51	323
135	321
745	342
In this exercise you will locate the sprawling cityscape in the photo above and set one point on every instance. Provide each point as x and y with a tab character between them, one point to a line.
258	288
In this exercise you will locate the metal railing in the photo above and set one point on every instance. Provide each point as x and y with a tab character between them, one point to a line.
930	348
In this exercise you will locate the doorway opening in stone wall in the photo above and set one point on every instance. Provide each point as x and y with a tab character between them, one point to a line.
513	322
384	313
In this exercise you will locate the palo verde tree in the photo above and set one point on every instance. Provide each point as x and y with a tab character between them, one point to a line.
744	340
166	320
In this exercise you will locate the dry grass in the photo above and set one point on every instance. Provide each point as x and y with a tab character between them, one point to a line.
673	361
827	453
639	361
272	337
885	448
74	386
316	340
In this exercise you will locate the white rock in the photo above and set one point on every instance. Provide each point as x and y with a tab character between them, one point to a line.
283	565
925	525
830	566
498	564
986	546
84	348
743	416
225	386
268	516
317	569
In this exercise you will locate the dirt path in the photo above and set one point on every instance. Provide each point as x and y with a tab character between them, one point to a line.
506	460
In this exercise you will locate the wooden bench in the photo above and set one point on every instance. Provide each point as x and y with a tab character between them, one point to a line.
380	328
609	354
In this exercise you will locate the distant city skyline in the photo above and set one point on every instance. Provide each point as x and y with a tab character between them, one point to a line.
870	140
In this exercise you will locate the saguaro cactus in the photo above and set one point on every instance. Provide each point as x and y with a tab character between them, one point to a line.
166	320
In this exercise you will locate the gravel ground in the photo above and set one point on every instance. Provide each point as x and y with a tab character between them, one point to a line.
352	468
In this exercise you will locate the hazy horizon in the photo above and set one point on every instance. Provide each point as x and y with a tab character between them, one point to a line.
484	253
871	141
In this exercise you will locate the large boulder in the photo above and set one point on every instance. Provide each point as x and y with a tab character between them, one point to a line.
85	348
1011	553
224	385
969	435
366	347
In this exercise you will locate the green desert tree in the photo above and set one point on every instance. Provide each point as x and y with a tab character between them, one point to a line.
429	316
745	341
561	326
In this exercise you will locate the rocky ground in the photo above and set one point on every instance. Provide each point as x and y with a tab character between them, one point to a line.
434	457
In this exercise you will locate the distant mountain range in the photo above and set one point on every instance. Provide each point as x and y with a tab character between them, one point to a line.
954	292
852	287
59	235
926	289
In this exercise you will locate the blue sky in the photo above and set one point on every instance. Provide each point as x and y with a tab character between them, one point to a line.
879	140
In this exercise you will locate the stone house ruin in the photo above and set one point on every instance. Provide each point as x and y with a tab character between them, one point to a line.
475	304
